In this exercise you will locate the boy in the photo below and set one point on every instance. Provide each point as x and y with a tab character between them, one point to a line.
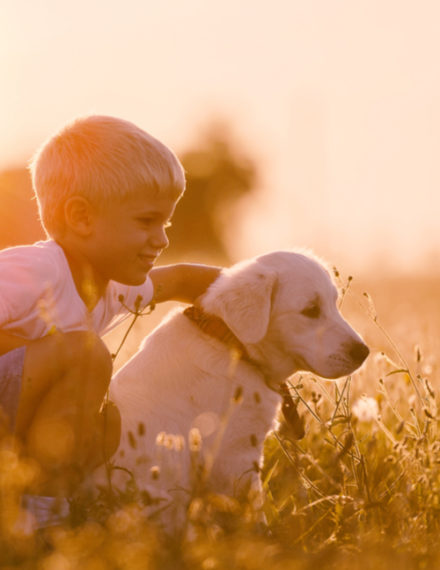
106	191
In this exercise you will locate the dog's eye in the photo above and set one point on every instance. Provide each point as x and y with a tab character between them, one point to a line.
312	312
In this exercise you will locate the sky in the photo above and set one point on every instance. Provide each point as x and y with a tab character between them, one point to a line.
338	101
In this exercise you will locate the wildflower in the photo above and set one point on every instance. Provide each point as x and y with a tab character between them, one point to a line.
195	440
366	409
168	441
179	442
155	472
160	438
427	369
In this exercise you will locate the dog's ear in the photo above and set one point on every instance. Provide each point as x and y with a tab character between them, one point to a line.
243	301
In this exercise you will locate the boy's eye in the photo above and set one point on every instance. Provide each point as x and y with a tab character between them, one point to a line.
145	221
152	221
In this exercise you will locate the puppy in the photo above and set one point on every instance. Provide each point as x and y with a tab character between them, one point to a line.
202	392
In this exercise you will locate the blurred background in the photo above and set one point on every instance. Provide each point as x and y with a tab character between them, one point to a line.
311	124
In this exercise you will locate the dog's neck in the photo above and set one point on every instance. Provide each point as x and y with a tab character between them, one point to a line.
215	327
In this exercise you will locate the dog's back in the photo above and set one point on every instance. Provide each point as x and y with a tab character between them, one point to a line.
186	404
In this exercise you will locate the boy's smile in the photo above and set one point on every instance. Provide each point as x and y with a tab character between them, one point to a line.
124	241
129	236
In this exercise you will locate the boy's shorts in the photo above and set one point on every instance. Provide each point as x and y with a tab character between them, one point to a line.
11	370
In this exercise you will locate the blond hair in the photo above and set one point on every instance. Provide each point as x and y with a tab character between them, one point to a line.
102	159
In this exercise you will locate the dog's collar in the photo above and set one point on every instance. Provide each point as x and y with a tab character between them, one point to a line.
215	327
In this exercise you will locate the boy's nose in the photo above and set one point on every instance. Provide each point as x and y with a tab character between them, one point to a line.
160	239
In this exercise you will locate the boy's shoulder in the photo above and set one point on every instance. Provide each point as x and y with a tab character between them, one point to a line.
39	250
26	273
27	264
38	247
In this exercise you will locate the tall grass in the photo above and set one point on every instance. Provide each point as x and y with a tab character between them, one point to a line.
361	490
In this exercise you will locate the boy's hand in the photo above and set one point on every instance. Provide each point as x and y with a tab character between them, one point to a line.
183	282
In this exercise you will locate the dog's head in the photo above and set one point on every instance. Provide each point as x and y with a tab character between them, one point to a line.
283	308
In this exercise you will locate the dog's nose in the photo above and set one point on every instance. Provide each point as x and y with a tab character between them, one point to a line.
358	352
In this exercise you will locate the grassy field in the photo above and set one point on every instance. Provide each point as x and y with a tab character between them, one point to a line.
361	490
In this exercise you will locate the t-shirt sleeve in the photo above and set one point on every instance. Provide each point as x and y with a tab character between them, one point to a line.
25	277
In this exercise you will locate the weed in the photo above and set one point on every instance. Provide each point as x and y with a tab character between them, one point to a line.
361	490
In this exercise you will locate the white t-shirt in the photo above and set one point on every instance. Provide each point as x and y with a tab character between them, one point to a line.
37	293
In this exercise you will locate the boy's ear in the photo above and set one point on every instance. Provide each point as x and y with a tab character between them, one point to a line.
78	214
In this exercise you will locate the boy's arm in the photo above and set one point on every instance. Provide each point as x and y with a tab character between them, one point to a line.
182	282
9	342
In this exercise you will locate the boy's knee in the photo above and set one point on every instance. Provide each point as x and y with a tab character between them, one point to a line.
56	355
84	347
66	377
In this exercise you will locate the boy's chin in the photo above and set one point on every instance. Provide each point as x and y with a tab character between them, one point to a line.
133	280
139	281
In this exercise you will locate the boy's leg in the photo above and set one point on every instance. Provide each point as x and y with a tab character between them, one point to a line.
65	379
11	370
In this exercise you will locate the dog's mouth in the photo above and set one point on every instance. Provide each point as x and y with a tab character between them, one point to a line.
301	364
339	366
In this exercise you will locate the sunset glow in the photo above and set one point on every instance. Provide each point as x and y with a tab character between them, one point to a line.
339	102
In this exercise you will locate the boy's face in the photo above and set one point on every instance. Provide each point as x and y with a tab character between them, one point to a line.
128	236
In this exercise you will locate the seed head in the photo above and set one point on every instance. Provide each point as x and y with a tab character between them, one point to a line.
238	395
155	472
132	440
160	438
194	440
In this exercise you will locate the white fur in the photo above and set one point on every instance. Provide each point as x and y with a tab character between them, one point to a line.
182	379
